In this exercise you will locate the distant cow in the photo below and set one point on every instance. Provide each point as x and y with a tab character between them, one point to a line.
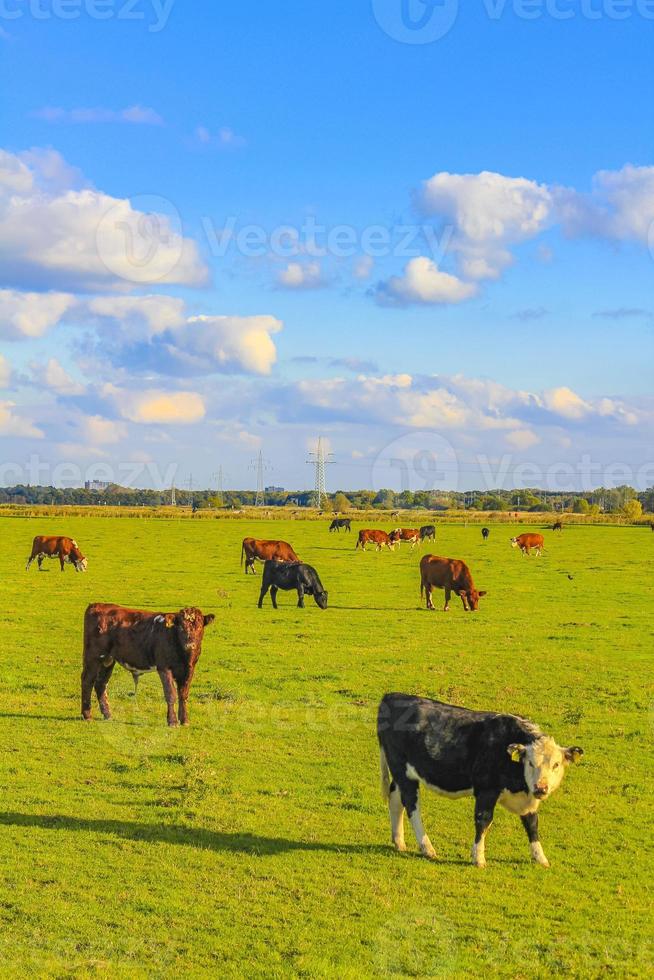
451	575
496	758
341	522
139	641
528	541
288	576
428	533
51	546
485	533
557	526
380	539
411	535
265	551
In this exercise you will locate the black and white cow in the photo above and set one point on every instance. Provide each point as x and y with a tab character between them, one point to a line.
496	758
485	533
292	575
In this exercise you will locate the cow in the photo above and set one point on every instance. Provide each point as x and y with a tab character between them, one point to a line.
53	546
528	541
485	533
341	522
412	535
428	533
265	551
379	538
291	575
140	641
497	758
451	575
557	526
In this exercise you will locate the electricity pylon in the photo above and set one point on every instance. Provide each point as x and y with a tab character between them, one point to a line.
319	460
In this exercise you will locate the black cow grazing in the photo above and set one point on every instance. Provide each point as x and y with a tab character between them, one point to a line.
341	522
286	576
485	533
457	752
557	526
428	533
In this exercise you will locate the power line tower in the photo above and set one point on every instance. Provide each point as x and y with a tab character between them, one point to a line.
190	491
260	464
320	460
219	487
173	501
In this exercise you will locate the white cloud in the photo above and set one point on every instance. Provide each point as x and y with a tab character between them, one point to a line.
55	377
14	425
423	282
225	137
104	431
142	315
152	407
134	114
5	372
29	315
84	239
363	266
488	213
522	439
565	402
620	206
299	276
231	342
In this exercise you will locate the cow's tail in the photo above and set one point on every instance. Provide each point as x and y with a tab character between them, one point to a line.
385	775
242	552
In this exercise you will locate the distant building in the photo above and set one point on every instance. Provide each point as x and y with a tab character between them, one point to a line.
275	490
97	485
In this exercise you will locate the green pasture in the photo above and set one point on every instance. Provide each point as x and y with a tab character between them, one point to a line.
255	842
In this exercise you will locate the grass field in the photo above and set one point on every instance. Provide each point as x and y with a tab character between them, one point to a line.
255	842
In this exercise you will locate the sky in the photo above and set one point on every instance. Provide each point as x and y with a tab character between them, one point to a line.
421	232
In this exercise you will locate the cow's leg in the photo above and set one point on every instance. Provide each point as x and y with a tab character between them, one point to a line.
465	604
168	684
89	674
484	811
262	594
530	823
300	597
448	596
62	562
411	803
428	590
396	812
39	561
29	562
273	595
101	681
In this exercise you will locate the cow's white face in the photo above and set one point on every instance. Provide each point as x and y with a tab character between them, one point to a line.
544	764
80	566
514	542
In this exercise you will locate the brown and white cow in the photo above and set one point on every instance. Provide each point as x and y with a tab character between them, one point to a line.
380	539
528	541
53	546
141	642
253	549
412	535
451	575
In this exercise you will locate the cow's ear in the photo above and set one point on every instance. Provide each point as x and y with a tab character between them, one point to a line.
208	620
573	754
170	620
516	751
483	592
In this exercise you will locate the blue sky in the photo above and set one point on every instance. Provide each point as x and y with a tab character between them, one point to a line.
512	156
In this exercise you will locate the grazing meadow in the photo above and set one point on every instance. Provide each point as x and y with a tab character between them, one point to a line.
255	842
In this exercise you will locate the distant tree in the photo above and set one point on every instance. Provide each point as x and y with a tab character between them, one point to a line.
594	510
341	502
632	510
580	506
385	500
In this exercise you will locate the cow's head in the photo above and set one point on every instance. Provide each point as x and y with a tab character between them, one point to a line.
544	763
188	625
473	597
79	561
395	535
514	542
321	598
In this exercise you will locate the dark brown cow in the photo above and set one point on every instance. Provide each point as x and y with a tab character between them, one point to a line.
380	539
265	551
557	526
139	641
52	546
528	541
412	535
451	575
